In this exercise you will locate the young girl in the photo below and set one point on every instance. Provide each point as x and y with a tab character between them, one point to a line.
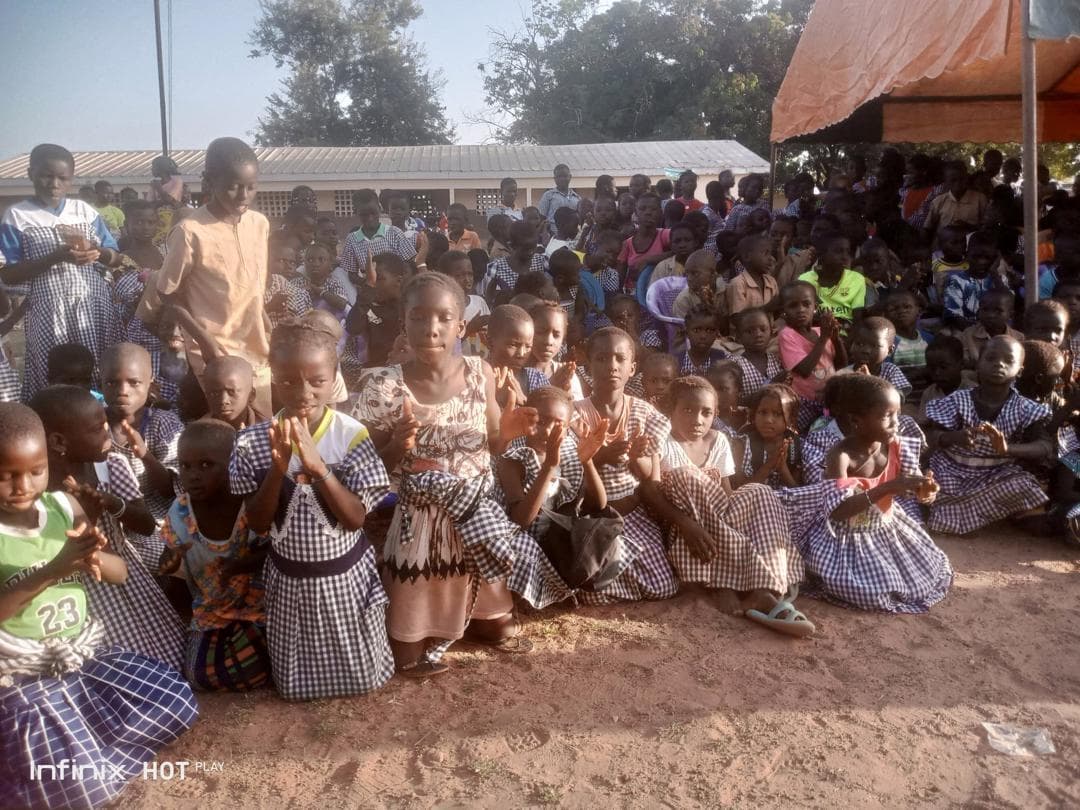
730	417
510	341
206	532
458	266
136	615
753	330
810	353
635	433
81	716
770	449
871	342
860	550
310	476
735	542
979	434
286	293
549	468
702	330
550	324
649	244
435	421
54	243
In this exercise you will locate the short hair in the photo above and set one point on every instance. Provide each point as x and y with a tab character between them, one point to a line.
560	166
713	188
1045	307
230	362
534	282
1064	283
365	196
294	335
50	151
496	221
996	293
550	393
298	212
789	401
163	164
226	155
823	241
896	295
69	354
564	213
620	298
792	286
644	177
649	195
283	239
1007	339
213	432
947	345
746	314
748	243
125	351
664	186
864	391
446	284
681	386
450	258
983	238
1039	356
504	315
131	206
521	232
725	368
608	332
562	260
390	263
18	421
681	225
543	307
317	245
60	407
458	207
101	185
505	182
654	358
954	166
876	323
699	312
834	395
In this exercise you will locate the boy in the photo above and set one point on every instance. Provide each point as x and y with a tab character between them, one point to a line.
457	230
665	190
502	274
658	370
1066	263
840	289
948	259
683	243
909	347
371	238
964	289
753	186
499	228
945	372
229	386
457	265
995	310
112	216
1068	293
510	339
756	286
376	318
702	284
72	364
567	223
702	330
286	289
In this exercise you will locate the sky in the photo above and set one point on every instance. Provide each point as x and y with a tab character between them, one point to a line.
95	87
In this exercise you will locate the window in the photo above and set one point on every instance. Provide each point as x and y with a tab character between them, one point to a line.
343	206
272	203
422	205
487	198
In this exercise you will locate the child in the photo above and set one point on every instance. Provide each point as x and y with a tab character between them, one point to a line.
579	291
944	371
702	284
510	341
733	542
759	366
375	320
871	340
67	702
72	364
624	312
978	435
657	372
567	223
1043	364
602	259
841	289
499	228
54	243
299	224
309	477
138	243
727	381
458	234
398	210
948	259
683	243
477	313
810	353
502	274
1046	320
1068	293
548	469
702	331
206	532
649	245
136	615
550	327
286	289
995	310
860	551
323	290
145	435
229	386
770	449
964	289
373	238
756	286
909	346
435	419
1066	266
635	435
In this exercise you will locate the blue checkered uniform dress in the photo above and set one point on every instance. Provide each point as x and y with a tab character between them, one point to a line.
327	634
752	379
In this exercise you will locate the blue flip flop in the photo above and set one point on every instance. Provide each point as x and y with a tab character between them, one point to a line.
785	617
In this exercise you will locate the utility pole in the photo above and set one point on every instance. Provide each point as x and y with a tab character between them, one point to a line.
161	79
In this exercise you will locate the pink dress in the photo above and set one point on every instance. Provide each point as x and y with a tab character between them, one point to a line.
793	350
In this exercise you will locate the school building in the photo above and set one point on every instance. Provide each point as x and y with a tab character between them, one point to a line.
433	176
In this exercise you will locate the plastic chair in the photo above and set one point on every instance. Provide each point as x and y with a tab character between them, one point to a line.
642	286
660	302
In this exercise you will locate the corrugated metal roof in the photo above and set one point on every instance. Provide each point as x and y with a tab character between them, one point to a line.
299	163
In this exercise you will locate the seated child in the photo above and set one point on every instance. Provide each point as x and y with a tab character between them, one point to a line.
1043	364
657	372
871	340
624	312
286	287
135	615
770	451
726	379
1046	320
909	346
702	284
756	286
810	353
567	223
736	542
206	532
840	289
995	310
498	226
964	290
324	290
602	261
880	268
950	258
510	340
578	290
550	328
1068	293
457	265
753	331
944	371
72	364
979	434
502	274
1066	265
229	386
859	550
702	331
171	366
683	243
71	705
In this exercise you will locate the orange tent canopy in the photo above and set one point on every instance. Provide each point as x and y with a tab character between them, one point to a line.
922	70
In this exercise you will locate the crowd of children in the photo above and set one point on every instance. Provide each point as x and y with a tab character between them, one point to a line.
340	458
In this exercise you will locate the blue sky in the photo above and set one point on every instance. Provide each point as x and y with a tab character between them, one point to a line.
95	86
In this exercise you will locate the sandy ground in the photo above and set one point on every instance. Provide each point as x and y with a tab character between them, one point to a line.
669	704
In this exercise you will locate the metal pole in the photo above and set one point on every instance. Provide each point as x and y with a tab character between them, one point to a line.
161	79
774	156
1030	157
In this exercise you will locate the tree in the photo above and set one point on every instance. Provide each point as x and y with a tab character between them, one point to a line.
648	69
355	78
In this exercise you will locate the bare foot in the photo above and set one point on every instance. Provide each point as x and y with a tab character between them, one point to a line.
759	599
727	601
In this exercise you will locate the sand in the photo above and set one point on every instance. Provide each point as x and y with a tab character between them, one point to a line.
670	704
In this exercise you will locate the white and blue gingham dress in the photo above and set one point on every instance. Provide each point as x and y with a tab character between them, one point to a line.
752	379
977	486
877	560
327	634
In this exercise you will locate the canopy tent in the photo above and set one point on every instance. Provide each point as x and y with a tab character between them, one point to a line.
937	70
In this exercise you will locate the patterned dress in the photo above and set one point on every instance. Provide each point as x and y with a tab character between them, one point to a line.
295	291
68	303
751	444
441	569
979	487
136	615
505	277
325	605
649	574
752	379
880	559
359	248
749	527
103	711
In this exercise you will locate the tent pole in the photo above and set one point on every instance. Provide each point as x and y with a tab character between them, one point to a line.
774	156
1030	161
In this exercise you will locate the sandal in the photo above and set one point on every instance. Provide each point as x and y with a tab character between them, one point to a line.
785	617
422	669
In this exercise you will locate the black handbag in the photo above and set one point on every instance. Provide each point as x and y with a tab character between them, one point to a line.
585	549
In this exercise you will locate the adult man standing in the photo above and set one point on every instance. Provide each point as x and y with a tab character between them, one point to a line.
562	196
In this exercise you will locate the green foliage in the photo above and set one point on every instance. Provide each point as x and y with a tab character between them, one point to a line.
355	78
643	70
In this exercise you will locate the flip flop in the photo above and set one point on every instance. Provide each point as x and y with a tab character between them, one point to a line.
784	617
422	669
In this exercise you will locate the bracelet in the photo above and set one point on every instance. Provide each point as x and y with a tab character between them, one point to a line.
869	500
329	474
119	513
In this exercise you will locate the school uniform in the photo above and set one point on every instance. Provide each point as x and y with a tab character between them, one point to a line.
687	364
752	379
360	248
